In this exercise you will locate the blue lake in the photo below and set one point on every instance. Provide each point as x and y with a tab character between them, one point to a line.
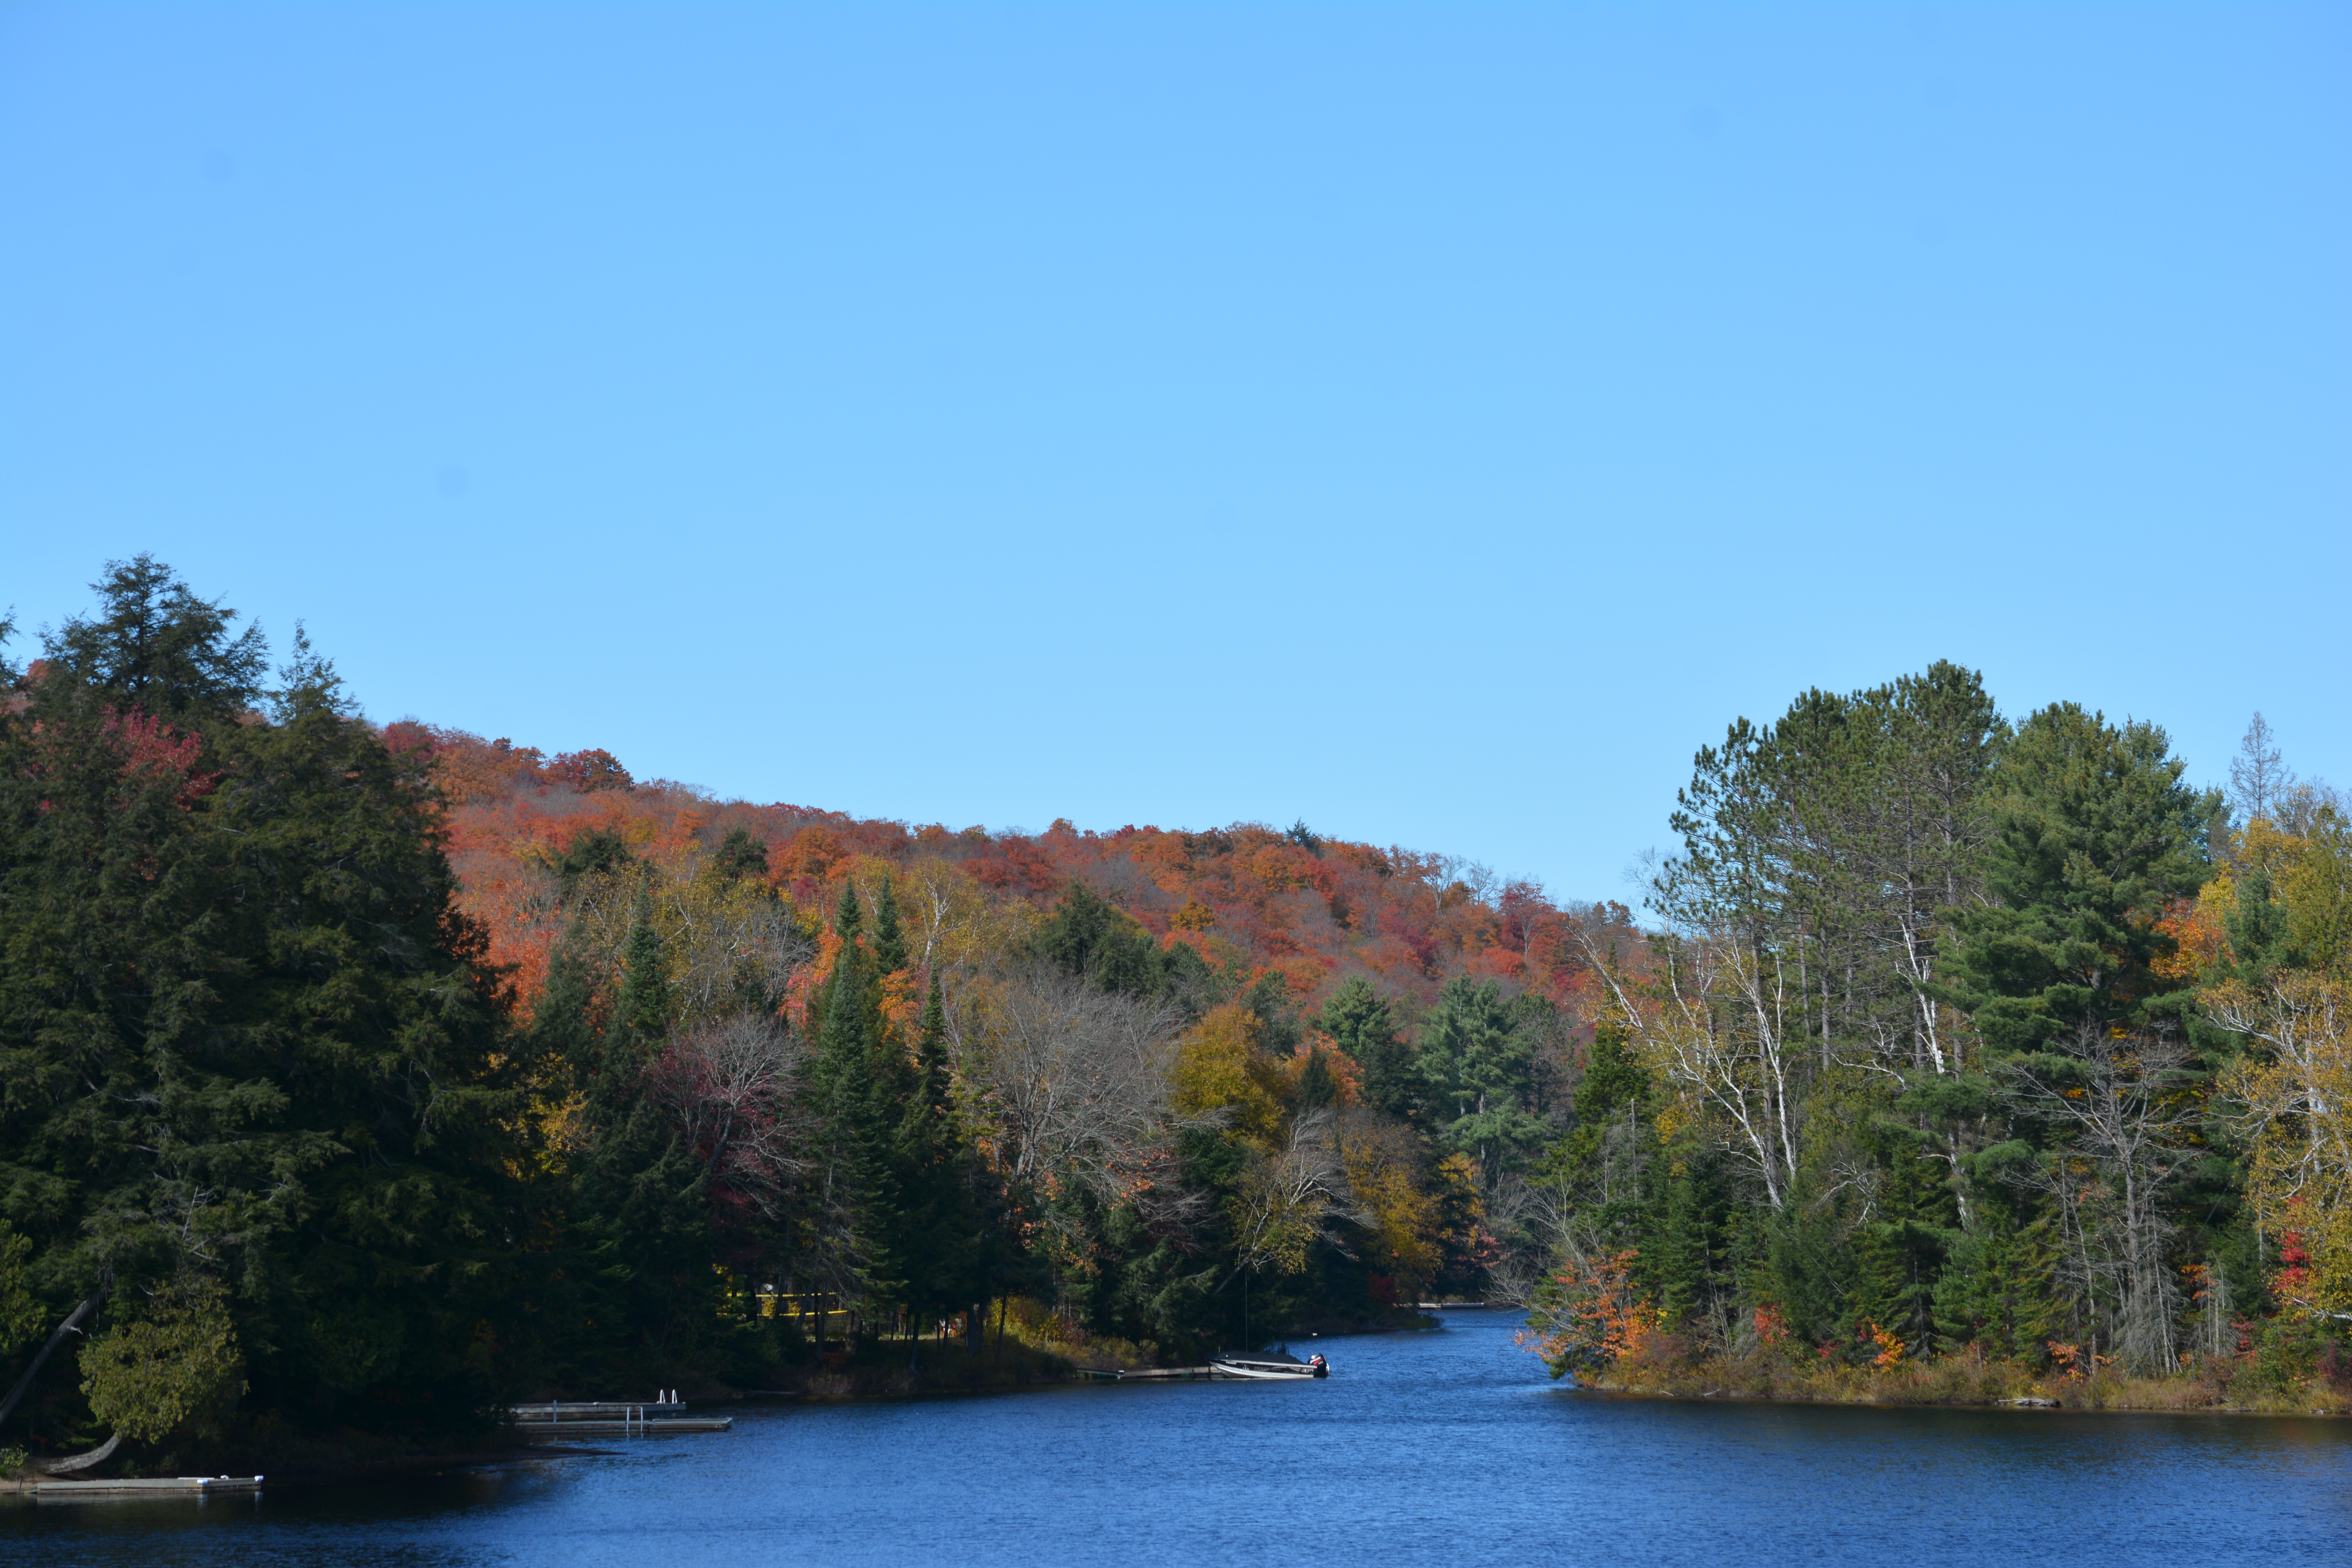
1441	1448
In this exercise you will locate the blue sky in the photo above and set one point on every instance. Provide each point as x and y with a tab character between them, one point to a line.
1431	422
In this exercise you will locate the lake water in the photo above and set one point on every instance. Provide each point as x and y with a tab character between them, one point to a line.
1446	1448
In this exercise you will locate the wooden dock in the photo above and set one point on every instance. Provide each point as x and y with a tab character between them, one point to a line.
671	1426
613	1418
1169	1374
160	1485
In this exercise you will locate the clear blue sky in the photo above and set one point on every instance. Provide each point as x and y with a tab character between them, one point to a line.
1431	422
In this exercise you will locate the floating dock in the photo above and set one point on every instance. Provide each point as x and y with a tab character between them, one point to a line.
160	1485
613	1418
674	1426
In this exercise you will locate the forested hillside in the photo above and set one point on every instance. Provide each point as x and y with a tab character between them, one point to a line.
357	1079
366	1078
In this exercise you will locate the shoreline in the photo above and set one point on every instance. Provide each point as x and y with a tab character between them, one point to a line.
1945	1385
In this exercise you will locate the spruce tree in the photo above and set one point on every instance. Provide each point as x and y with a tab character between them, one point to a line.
641	1198
1361	1022
642	1012
1317	1087
890	941
941	1245
1691	1265
2000	1290
859	1081
1902	1248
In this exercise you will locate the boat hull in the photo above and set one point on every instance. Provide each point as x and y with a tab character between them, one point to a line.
1267	1371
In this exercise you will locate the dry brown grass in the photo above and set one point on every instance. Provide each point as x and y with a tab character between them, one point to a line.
1660	1365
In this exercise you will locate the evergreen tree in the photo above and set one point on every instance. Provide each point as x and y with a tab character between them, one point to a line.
1480	1075
156	646
890	941
1999	1291
2260	938
740	853
1692	1263
253	1053
641	1199
598	852
1612	1080
1901	1249
1317	1087
642	1010
1361	1022
2093	833
942	1246
860	1082
1088	937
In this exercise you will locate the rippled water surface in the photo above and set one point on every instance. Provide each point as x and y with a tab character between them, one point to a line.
1442	1449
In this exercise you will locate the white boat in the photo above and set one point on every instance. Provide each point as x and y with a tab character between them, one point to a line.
1279	1367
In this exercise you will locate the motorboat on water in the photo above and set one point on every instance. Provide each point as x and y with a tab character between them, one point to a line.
1277	1365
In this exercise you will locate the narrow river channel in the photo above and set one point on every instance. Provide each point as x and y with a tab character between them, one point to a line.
1446	1448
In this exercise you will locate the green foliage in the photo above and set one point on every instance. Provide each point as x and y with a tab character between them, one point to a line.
943	1239
861	1083
156	646
1361	1022
740	853
244	1030
1480	1074
1088	937
21	1317
1999	1291
1317	1087
1900	1249
889	941
175	1366
1613	1080
2095	833
599	852
646	1004
1690	1265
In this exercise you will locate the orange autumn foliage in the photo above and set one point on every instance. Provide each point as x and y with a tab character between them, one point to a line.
1312	911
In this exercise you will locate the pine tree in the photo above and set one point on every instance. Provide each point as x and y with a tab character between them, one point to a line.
2093	833
1612	1080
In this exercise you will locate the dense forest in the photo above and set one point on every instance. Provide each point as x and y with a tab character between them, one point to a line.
1970	1057
359	1079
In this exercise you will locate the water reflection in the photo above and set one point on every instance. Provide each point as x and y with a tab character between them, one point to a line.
1440	1448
